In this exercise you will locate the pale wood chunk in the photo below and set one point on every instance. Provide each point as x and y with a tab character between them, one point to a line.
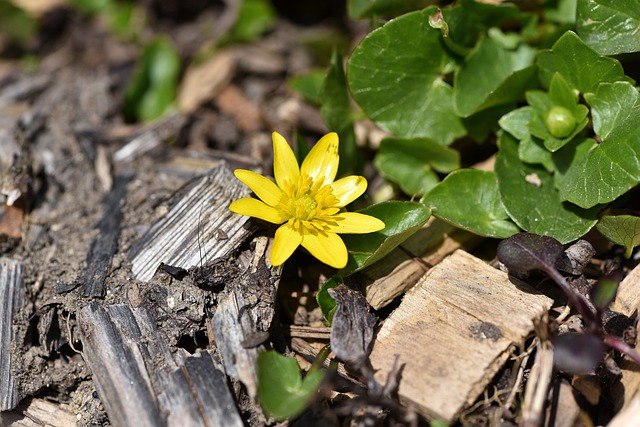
627	302
628	297
453	331
399	271
39	413
629	416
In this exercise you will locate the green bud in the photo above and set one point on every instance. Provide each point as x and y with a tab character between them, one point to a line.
560	122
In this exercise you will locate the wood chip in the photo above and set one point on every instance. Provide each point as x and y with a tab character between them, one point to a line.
628	297
11	300
232	101
39	413
202	82
198	229
404	266
453	331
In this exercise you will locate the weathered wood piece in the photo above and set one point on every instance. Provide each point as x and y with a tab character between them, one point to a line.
402	268
11	300
627	302
138	380
104	246
628	296
198	229
150	137
243	317
453	331
38	413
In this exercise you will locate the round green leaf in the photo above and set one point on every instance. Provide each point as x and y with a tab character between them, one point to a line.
609	26
531	199
621	229
282	392
409	163
611	104
395	75
607	170
581	66
492	75
469	199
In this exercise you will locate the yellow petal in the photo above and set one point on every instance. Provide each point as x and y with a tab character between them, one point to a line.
327	247
264	188
353	223
285	164
347	189
286	241
257	209
322	161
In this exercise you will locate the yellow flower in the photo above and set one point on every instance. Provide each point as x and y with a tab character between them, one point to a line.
307	202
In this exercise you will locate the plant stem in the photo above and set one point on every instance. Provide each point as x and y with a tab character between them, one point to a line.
621	346
576	299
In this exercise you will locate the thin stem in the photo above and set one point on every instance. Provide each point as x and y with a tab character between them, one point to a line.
576	299
621	346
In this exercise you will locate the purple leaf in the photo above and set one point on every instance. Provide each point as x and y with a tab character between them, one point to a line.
523	252
577	353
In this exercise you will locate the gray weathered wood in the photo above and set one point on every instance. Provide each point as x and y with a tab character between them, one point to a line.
138	380
104	246
11	300
198	229
453	331
243	317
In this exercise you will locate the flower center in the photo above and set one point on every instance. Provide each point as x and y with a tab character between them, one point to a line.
304	207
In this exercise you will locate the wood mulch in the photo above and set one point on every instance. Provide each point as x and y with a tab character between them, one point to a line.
130	295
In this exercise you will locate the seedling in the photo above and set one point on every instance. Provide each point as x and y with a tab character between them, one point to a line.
573	352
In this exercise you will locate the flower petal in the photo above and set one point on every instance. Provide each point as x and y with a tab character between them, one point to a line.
264	188
353	223
347	189
285	164
257	209
322	161
327	247
286	241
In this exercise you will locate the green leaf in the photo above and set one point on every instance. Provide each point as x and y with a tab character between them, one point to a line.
604	292
516	122
15	24
492	75
309	85
326	302
469	19
621	229
531	199
469	199
582	67
282	391
410	163
92	7
612	104
395	75
563	13
359	9
402	219
254	18
608	169
151	92
609	26
337	114
532	150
